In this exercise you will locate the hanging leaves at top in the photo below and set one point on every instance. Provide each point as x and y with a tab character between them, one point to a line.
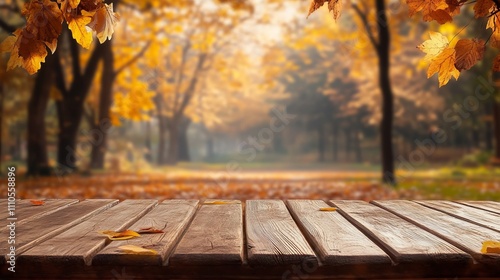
44	19
446	58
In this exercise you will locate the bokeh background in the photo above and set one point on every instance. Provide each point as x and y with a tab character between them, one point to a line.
247	99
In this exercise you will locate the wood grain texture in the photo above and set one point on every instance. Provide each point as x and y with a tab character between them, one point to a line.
81	242
404	241
336	240
464	212
492	206
273	238
25	211
36	231
466	236
171	216
214	237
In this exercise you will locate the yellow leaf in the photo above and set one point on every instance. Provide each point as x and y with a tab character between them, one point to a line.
133	249
8	44
434	46
74	3
81	32
124	235
103	22
468	53
428	8
444	65
328	209
491	247
32	52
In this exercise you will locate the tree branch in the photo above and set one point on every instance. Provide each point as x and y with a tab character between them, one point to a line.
133	59
364	19
75	57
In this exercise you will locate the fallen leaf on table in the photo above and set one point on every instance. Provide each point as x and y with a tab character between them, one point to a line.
150	230
36	202
137	250
219	202
490	247
328	209
123	235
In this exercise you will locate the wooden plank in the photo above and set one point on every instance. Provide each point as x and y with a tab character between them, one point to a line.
466	236
492	206
405	242
78	244
336	240
464	212
25	211
215	236
273	238
171	216
38	230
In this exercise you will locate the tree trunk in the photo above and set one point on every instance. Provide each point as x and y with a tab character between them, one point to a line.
38	163
183	143
383	51
348	144
488	137
173	144
162	131
321	143
335	145
70	112
100	131
496	122
148	143
210	147
1	125
357	147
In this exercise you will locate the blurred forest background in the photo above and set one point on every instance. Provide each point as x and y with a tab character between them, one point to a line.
246	99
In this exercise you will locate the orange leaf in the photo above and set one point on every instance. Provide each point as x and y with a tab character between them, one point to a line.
482	8
328	209
491	247
36	202
444	65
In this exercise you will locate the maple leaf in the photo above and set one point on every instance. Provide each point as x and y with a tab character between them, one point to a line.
434	46
73	3
492	24
104	22
468	53
44	21
482	8
32	51
431	9
334	6
81	32
444	65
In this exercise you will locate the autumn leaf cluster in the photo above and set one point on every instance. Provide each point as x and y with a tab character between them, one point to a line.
446	58
44	24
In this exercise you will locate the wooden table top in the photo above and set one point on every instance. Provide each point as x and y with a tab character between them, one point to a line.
255	239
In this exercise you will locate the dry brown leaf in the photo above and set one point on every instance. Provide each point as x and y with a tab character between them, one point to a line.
482	8
133	249
36	202
468	53
149	230
491	247
123	235
328	209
